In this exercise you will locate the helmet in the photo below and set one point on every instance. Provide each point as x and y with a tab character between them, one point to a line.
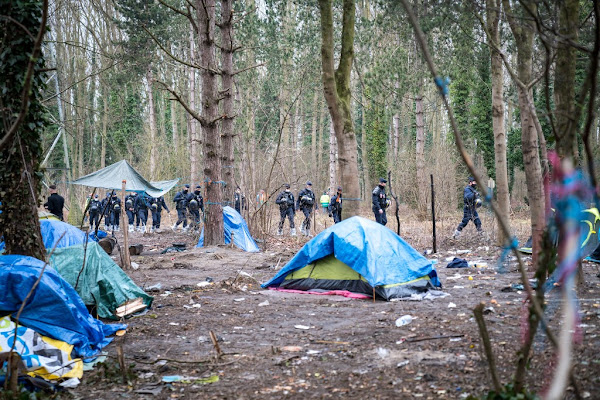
478	203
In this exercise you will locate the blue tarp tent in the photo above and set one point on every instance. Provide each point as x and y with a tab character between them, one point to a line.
384	262
234	222
54	309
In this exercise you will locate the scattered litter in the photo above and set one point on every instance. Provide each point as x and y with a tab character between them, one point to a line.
291	348
154	390
195	305
489	310
208	278
312	352
463	251
203	339
402	364
458	287
70	383
429	295
190	379
383	353
239	299
303	327
451	305
174	323
120	332
88	366
203	284
166	293
456	339
146	375
458	263
404	320
470	278
154	288
135	265
161	363
456	276
264	303
478	264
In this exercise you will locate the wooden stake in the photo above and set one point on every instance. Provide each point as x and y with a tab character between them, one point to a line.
125	248
215	343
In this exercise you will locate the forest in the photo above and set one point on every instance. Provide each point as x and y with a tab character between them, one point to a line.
241	97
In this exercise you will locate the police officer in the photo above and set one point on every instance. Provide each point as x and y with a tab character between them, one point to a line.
335	206
156	205
306	202
472	201
239	200
380	202
195	203
115	212
94	212
180	201
286	209
130	209
142	203
105	210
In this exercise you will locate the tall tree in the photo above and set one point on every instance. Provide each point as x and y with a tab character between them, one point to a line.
22	122
523	29
493	22
336	85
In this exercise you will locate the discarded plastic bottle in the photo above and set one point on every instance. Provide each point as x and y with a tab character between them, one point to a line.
404	320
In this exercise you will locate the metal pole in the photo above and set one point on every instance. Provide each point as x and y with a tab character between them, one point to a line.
433	214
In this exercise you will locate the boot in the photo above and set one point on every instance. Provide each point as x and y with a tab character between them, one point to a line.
174	228
293	232
185	228
279	232
456	234
131	228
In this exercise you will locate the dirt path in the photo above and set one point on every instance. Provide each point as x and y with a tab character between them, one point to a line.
282	345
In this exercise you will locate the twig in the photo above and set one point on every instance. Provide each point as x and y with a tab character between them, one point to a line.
485	338
215	343
433	338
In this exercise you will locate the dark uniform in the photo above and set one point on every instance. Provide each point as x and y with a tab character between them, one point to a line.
306	202
157	204
239	201
142	203
195	203
105	211
130	209
470	197
286	209
180	201
55	205
115	212
94	212
379	200
335	206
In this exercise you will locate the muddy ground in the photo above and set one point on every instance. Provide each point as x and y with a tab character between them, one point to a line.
282	345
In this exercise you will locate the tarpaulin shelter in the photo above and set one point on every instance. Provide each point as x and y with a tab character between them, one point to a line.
358	255
234	224
112	176
102	283
595	256
54	309
590	236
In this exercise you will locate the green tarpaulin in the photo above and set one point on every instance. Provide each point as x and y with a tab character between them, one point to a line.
112	177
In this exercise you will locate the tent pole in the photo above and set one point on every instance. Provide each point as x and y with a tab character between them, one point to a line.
126	259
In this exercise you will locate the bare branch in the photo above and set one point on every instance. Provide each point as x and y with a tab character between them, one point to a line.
179	60
247	68
33	59
193	113
20	25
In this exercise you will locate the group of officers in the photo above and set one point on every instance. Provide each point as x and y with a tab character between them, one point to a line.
306	203
187	203
139	207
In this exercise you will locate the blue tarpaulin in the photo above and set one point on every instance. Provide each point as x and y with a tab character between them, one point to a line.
234	222
374	251
54	309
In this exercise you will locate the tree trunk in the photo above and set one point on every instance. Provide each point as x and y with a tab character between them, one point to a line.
493	19
336	86
420	157
294	145
332	151
105	99
174	129
564	80
321	146
213	232
152	117
192	124
523	34
364	152
313	136
20	153
227	128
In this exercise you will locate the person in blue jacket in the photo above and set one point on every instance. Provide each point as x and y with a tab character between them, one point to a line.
180	201
472	201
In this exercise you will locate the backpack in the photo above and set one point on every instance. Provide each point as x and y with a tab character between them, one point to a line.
129	204
307	199
117	207
94	206
193	205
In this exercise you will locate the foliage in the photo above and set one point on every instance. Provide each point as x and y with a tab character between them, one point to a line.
375	129
19	158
